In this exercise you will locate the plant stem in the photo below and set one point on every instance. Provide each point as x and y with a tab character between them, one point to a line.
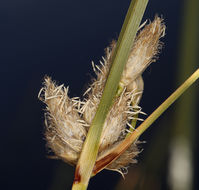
183	132
145	125
90	149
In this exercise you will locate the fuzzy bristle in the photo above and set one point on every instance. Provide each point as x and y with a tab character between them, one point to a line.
64	133
68	120
144	51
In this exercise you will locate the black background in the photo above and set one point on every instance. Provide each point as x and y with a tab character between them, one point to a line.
61	38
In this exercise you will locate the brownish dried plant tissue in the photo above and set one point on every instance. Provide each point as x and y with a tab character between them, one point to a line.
67	120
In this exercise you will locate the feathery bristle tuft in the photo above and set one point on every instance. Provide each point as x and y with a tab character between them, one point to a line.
144	51
64	133
68	120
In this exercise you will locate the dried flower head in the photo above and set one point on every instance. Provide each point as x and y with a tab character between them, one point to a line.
65	131
144	51
68	120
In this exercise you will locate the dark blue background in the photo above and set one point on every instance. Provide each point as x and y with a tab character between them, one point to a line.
60	38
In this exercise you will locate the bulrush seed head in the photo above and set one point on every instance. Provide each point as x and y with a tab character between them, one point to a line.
68	120
64	133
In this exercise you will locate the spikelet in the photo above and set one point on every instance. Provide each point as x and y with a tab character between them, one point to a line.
114	128
144	51
68	120
65	132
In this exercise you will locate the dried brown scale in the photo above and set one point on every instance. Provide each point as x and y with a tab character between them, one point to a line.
121	163
128	157
68	120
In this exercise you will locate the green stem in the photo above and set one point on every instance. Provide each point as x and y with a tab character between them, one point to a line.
163	107
90	149
145	125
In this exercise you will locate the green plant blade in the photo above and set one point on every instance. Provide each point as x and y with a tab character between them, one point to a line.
90	149
101	164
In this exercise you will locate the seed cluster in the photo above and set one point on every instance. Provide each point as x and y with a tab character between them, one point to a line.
68	119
